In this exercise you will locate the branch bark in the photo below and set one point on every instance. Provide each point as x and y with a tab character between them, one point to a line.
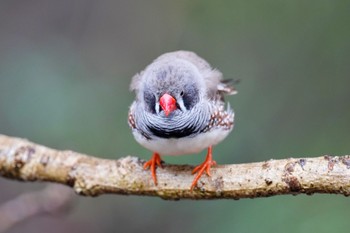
91	176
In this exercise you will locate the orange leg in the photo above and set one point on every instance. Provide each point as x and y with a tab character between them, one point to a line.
153	163
205	166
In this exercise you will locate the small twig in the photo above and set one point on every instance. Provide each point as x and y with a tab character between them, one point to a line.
51	200
23	160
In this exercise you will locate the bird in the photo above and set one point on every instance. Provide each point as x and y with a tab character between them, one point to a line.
180	109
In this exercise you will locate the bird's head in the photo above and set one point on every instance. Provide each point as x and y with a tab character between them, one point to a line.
169	88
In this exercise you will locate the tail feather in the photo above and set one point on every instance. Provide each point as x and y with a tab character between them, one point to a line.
227	86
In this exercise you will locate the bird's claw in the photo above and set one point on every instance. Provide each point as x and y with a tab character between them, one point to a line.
152	164
205	166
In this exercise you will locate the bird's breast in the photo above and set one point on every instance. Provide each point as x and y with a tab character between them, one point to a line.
181	146
172	129
178	125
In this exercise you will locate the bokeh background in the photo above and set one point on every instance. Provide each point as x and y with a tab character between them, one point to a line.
65	69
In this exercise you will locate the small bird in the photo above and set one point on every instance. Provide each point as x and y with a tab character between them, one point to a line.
179	109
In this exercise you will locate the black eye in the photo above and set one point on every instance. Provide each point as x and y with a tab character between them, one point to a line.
182	93
150	101
191	97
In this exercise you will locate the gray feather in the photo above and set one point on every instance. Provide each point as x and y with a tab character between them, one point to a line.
196	86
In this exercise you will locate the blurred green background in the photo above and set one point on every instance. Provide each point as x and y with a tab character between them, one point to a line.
65	69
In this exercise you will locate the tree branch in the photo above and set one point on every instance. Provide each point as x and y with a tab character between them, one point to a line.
91	176
52	199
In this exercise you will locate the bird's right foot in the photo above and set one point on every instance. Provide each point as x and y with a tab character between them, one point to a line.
152	164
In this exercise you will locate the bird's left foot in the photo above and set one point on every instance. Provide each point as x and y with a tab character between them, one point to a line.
205	166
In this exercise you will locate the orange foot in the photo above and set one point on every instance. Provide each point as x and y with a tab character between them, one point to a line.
153	163
205	166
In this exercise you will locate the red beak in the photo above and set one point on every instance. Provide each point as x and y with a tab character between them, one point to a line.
168	103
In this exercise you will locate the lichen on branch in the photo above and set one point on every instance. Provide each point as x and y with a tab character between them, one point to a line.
92	176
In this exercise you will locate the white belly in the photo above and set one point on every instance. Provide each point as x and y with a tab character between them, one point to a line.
181	146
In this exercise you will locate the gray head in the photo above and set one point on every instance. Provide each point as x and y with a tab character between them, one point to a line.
166	87
176	96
